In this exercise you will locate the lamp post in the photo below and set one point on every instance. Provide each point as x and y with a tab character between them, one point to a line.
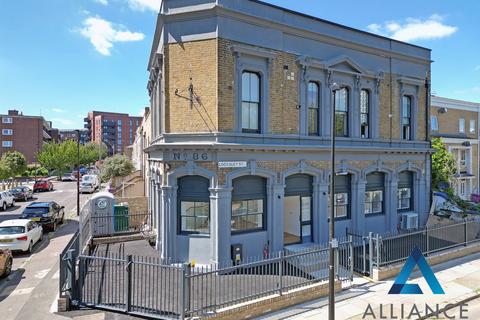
78	172
331	221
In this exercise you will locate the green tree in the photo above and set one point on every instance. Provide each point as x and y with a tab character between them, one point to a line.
444	166
92	152
116	166
5	171
16	162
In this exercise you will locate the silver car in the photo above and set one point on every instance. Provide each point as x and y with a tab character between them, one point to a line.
87	187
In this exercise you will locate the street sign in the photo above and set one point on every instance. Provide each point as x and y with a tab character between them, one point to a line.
232	164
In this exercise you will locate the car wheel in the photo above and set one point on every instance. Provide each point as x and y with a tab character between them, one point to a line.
8	268
4	206
30	247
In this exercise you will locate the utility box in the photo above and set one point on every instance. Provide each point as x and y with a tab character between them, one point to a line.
237	253
121	218
102	213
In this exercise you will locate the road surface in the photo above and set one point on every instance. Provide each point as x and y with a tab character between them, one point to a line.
32	288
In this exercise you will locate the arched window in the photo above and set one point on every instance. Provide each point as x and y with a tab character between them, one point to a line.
340	98
250	102
193	199
249	199
405	191
313	107
365	114
374	193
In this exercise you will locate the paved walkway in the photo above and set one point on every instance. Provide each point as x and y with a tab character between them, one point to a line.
459	278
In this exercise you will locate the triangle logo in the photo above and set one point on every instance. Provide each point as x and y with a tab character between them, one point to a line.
400	286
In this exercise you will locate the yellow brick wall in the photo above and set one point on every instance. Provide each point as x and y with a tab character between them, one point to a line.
196	60
448	122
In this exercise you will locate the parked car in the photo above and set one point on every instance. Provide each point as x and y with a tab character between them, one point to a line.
6	261
6	200
43	185
83	170
48	214
93	179
87	187
76	175
22	193
20	235
69	177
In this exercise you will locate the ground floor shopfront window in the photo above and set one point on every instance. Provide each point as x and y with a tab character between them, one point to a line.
248	204
193	205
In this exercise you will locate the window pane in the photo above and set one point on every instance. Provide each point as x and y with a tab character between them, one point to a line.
341	124
239	208
255	221
364	101
255	206
245	86
368	207
341	211
312	95
188	224
202	209
245	115
188	208
313	121
202	225
306	209
306	230
253	117
376	207
341	97
254	87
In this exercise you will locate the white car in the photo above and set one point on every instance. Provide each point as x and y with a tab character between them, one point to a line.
20	235
93	179
6	200
87	187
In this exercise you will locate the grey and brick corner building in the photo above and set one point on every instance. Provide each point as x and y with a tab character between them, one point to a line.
242	94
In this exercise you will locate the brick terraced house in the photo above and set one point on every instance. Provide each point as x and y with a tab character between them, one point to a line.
242	94
456	123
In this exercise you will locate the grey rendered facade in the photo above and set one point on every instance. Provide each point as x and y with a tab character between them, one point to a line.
241	98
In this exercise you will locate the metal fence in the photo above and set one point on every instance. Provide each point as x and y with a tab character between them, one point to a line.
396	248
144	286
67	267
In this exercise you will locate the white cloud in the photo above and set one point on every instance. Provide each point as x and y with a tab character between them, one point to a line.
414	29
102	2
142	5
103	34
58	110
65	122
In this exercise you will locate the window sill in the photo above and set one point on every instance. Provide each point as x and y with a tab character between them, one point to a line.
236	233
194	235
368	215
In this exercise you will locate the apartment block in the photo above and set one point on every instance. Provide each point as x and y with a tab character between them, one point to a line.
116	130
456	123
71	134
242	99
25	134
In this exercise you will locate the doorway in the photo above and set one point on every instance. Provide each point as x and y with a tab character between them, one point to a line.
297	212
297	220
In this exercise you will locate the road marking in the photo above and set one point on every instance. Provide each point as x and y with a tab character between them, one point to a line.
56	275
42	273
19	292
54	306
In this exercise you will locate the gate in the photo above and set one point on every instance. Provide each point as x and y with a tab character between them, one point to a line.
361	252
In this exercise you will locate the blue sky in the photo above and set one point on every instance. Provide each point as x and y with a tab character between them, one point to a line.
63	58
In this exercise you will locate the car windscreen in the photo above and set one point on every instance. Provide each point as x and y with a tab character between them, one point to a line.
35	212
12	230
16	190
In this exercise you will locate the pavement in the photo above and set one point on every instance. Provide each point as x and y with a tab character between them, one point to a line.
30	292
460	279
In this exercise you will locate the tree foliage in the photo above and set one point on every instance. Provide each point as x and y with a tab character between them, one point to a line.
116	166
14	163
444	166
63	156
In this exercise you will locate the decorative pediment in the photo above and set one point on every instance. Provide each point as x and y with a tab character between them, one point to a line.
345	64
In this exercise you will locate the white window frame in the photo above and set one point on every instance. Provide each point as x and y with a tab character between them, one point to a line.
461	125
434	123
7	120
7	144
7	132
472	125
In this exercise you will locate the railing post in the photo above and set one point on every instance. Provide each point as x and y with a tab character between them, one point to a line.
370	252
350	246
185	285
377	240
280	273
71	285
465	236
364	255
128	284
428	240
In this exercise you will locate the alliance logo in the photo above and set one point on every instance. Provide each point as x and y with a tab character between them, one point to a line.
400	286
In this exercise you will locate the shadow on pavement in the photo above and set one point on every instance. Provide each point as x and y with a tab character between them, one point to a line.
10	283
